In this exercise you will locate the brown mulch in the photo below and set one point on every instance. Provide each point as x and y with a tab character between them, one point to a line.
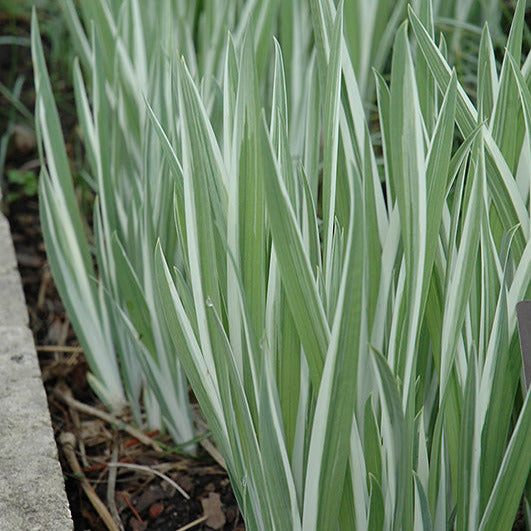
150	488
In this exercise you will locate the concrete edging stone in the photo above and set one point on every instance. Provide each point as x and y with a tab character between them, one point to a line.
32	493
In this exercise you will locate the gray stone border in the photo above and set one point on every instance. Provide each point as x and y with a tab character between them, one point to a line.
32	493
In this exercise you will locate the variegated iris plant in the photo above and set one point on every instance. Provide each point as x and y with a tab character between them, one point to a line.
342	301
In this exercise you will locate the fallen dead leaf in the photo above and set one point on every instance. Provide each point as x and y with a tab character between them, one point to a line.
151	495
213	510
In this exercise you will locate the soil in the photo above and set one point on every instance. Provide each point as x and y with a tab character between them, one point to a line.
139	499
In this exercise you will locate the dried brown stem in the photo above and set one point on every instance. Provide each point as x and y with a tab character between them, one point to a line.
65	395
68	443
111	490
193	524
59	348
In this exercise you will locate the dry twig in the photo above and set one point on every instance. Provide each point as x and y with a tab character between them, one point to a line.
59	348
201	428
111	489
143	468
65	395
68	443
194	523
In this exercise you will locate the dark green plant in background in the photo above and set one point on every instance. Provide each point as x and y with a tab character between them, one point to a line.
17	139
26	182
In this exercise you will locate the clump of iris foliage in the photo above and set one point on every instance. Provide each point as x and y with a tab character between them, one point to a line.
342	302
